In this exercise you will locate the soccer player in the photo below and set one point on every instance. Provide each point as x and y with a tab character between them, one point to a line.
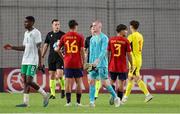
118	48
55	63
136	41
74	59
31	59
99	59
87	43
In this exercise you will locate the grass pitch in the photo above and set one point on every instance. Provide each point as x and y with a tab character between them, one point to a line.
162	103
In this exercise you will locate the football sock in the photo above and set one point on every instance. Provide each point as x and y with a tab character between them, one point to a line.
111	90
113	87
120	94
68	97
143	87
78	98
97	86
129	88
52	86
42	92
62	83
26	98
92	93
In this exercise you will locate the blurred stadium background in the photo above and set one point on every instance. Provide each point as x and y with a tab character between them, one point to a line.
159	19
159	23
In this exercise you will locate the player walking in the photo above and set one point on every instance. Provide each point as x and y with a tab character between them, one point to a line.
74	59
136	40
99	59
55	63
87	45
31	59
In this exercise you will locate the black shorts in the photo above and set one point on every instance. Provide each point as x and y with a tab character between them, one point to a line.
121	76
73	73
53	65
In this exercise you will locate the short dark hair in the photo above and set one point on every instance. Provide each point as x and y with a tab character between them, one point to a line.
91	26
72	24
54	20
121	27
30	18
135	24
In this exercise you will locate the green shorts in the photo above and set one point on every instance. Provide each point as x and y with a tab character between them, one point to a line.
28	70
99	74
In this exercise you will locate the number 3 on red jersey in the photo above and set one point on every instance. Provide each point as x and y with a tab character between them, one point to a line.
118	50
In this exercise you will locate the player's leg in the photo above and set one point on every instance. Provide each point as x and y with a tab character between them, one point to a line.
26	88
93	75
98	87
103	73
130	85
52	83
31	71
60	75
113	80
79	82
142	85
52	75
68	85
122	79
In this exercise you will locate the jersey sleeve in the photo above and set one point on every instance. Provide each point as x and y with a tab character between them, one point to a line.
24	42
82	41
128	46
87	42
47	40
141	44
61	42
38	38
109	45
91	51
103	48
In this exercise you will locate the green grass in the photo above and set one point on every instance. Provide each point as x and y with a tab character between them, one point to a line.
169	103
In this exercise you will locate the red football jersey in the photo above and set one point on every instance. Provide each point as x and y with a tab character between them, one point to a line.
118	47
72	42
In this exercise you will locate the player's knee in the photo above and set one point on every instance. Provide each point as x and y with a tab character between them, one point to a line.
120	89
29	82
92	82
137	79
131	78
112	82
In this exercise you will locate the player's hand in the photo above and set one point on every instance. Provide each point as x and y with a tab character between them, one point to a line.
8	47
87	66
42	68
96	62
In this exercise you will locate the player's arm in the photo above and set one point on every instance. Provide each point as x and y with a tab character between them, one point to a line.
83	55
129	56
44	50
45	46
16	48
87	42
39	53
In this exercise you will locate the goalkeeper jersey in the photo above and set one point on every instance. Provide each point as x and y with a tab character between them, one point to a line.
98	49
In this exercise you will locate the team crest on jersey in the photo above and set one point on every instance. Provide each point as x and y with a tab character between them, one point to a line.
51	35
